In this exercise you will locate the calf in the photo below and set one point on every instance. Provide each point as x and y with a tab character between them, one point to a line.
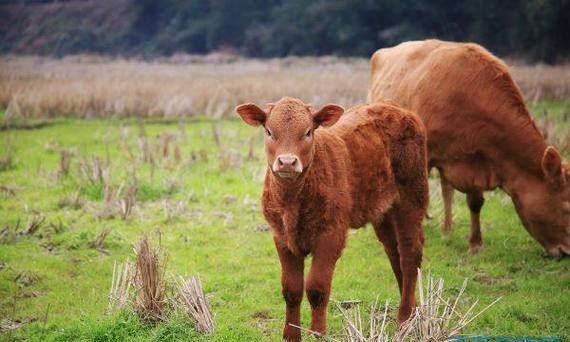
480	134
370	167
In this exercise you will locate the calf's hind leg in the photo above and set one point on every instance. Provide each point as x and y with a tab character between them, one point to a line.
410	239
386	234
475	202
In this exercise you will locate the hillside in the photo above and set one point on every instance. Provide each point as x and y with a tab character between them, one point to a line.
535	30
61	28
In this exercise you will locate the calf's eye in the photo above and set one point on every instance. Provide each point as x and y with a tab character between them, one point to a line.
308	133
268	132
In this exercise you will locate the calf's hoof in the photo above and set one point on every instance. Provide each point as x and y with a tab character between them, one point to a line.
291	334
318	331
404	314
474	249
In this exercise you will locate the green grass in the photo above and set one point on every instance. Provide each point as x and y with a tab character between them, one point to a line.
217	240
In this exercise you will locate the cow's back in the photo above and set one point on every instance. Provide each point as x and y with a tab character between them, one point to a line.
465	96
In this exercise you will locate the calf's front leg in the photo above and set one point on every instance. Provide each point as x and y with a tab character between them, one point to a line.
318	285
292	289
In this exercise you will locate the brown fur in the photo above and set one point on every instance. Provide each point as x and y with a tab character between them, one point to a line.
480	133
370	167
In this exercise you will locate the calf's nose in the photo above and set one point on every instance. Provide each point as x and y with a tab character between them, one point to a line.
288	163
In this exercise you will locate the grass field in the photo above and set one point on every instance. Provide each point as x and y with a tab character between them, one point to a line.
201	199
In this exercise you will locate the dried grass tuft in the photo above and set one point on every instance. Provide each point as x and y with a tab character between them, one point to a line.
149	283
149	296
120	292
72	201
128	202
193	301
35	222
65	156
107	211
435	319
354	330
7	157
99	242
95	171
8	190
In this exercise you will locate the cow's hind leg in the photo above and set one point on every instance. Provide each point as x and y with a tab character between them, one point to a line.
475	201
447	194
386	233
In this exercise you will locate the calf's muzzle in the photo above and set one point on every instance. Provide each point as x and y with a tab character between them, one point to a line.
287	165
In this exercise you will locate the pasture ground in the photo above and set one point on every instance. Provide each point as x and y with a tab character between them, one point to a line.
204	206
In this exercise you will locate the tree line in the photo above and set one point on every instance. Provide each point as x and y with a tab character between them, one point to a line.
531	29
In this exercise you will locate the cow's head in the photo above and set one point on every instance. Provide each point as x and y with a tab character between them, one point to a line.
289	132
544	205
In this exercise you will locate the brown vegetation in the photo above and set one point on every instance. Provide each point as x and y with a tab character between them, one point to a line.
193	301
91	86
149	282
436	318
152	297
40	87
121	284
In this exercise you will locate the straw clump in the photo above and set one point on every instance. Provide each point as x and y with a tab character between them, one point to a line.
435	319
121	285
149	283
193	301
142	287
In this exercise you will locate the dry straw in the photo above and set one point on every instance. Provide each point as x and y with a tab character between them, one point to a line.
98	242
46	87
147	280
149	283
435	319
119	294
192	300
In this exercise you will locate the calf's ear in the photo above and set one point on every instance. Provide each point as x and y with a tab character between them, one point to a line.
328	115
552	166
251	114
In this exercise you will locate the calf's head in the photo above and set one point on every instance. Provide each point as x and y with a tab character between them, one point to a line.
289	132
544	205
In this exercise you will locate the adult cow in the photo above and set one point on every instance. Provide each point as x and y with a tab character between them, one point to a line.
480	134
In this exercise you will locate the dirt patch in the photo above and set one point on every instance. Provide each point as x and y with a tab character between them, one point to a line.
26	278
261	320
486	279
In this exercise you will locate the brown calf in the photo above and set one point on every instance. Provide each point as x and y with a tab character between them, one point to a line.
480	134
370	167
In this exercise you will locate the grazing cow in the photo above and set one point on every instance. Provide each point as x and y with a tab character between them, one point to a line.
480	134
370	167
